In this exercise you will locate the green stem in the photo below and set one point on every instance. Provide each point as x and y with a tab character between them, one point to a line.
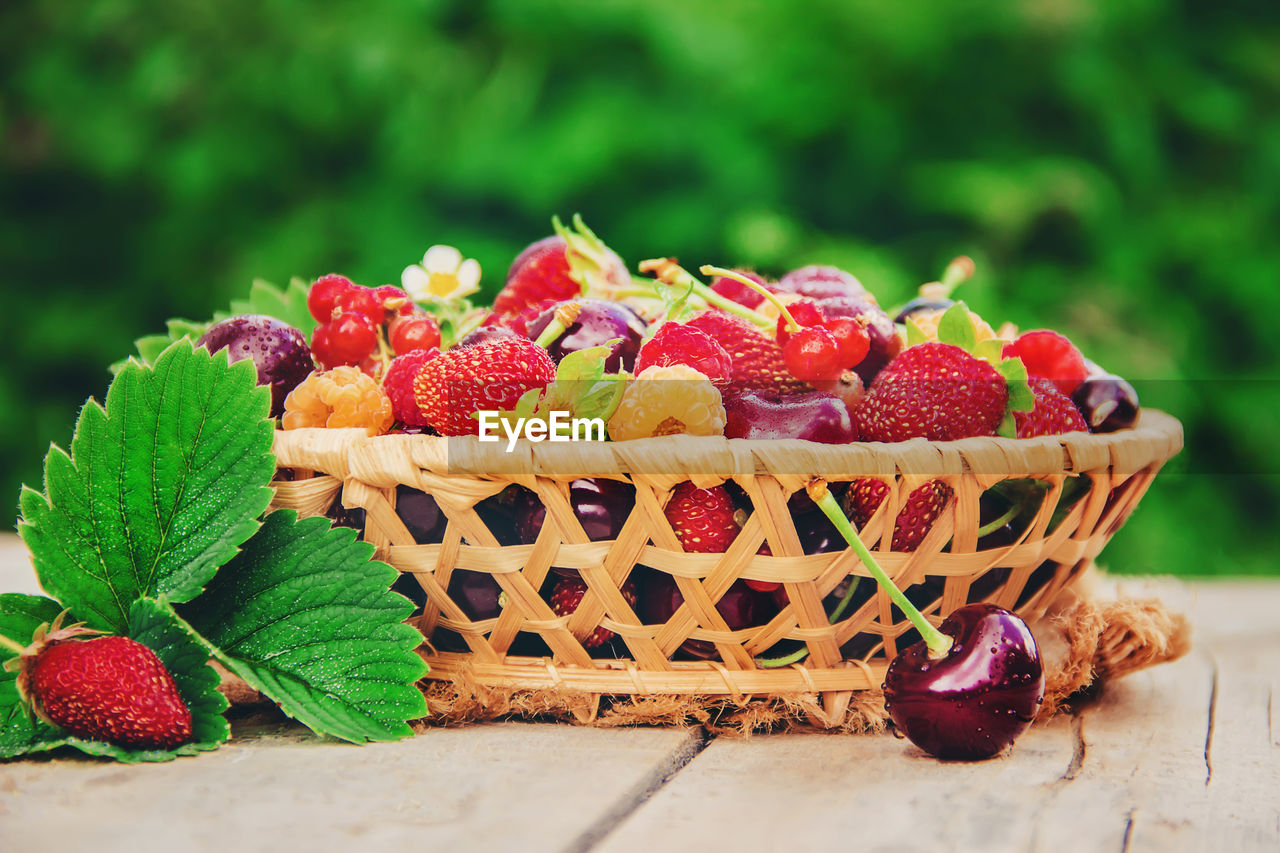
792	325
957	273
560	321
11	645
995	524
802	653
939	643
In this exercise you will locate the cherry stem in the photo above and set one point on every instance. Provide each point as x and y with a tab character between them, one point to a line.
792	325
802	653
939	643
959	271
561	320
996	523
674	275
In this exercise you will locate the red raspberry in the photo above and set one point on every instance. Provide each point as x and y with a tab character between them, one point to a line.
1049	355
703	519
398	384
1054	413
676	343
567	595
491	376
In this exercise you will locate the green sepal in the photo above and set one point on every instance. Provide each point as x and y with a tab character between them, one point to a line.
956	327
990	351
1008	427
915	335
1015	375
588	256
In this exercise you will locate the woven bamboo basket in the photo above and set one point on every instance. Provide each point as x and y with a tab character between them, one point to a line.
321	470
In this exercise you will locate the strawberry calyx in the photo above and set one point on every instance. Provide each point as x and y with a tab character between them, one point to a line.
591	261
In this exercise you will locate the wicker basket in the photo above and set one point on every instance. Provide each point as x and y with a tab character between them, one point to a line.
327	467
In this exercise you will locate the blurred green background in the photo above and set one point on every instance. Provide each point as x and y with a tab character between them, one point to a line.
1114	167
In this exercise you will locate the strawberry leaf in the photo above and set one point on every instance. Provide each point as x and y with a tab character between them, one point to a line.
306	617
150	346
160	488
956	327
288	304
23	733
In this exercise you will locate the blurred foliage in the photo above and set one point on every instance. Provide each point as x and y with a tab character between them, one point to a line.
1113	167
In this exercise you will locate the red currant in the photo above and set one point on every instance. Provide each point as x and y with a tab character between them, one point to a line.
851	337
352	337
812	353
418	331
323	294
394	301
806	313
361	300
320	349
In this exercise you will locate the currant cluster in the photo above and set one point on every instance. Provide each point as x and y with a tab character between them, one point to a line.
822	347
357	322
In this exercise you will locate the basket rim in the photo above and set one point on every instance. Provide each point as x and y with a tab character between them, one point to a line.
1156	438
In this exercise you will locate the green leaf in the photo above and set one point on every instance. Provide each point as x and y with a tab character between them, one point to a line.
1008	426
956	327
20	730
22	733
585	365
989	351
1015	373
161	487
306	617
150	346
289	305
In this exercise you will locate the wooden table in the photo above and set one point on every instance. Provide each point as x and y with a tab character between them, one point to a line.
1182	757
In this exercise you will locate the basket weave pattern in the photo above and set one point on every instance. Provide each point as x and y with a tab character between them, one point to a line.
358	471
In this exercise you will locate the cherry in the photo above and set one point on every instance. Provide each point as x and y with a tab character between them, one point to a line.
972	685
484	335
812	353
883	342
324	292
820	282
351	337
739	292
602	506
810	415
1107	402
851	338
741	606
597	323
279	352
412	332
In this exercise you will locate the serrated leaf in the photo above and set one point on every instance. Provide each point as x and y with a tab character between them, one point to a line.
307	618
1015	373
288	304
585	365
149	347
956	327
22	733
161	487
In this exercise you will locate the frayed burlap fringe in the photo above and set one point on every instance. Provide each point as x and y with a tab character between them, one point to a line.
1085	638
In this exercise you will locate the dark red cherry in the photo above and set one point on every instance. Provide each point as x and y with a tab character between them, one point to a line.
1107	402
601	505
812	415
975	700
598	322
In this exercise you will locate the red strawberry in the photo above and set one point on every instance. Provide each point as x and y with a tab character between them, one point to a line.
567	595
398	383
106	688
702	518
923	507
492	376
934	391
756	359
676	343
1049	355
539	273
1054	413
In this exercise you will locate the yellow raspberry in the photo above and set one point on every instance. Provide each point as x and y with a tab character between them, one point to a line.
342	397
668	400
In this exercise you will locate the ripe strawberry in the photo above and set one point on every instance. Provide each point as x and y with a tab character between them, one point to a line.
1054	413
539	273
567	595
934	391
923	507
105	688
703	519
1049	355
492	376
756	360
677	343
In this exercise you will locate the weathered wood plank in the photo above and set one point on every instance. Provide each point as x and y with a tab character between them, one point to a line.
812	792
492	787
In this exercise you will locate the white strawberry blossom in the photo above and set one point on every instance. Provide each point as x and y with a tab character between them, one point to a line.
443	276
